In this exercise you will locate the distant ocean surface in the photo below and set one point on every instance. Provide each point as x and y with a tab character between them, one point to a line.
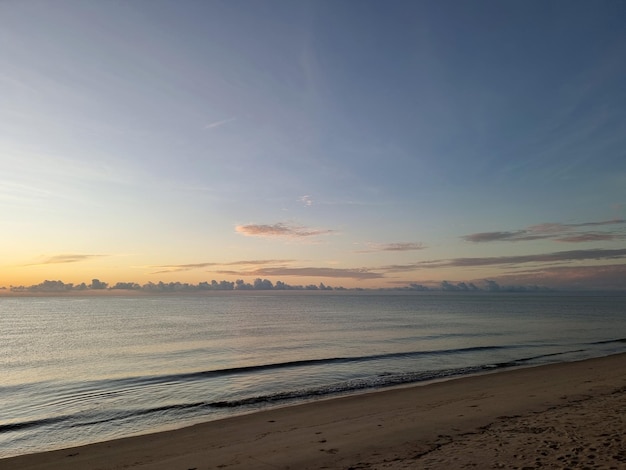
76	370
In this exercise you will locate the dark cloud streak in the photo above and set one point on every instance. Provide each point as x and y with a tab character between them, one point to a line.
560	256
555	231
603	277
400	246
519	235
589	237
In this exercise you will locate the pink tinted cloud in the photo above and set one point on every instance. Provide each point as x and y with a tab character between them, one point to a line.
66	258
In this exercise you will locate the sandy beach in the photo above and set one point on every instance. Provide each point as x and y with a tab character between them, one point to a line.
570	415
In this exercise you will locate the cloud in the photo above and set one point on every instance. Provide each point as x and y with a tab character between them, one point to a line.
605	222
172	268
213	125
587	277
306	200
401	246
555	231
489	236
589	237
258	262
358	273
280	230
548	227
560	257
66	258
519	235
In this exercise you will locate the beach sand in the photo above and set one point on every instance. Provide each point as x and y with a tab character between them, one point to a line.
570	415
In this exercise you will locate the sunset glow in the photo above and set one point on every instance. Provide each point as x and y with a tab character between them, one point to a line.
356	144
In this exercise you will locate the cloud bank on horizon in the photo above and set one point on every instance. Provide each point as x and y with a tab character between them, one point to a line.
365	144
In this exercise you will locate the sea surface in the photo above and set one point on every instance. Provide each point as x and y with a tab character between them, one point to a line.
76	370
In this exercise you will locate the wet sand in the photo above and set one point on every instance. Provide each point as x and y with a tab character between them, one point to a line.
570	415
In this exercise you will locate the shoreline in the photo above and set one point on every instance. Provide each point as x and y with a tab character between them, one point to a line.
478	419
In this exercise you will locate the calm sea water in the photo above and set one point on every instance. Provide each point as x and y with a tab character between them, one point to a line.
87	369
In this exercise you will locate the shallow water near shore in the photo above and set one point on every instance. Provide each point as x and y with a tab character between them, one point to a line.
76	370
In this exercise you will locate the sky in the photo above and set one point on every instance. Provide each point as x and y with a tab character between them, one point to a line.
354	143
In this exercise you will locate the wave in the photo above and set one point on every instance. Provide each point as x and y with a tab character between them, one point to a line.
18	426
355	385
378	381
349	386
306	363
354	359
375	381
200	375
519	362
610	341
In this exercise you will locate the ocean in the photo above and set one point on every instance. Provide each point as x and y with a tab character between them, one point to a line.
77	370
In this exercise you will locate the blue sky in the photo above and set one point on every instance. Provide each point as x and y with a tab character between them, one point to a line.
355	143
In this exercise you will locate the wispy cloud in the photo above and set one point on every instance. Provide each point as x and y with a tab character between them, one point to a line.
558	226
271	267
213	125
306	200
516	236
258	262
349	273
588	277
590	237
401	246
554	231
172	268
280	230
558	257
65	258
